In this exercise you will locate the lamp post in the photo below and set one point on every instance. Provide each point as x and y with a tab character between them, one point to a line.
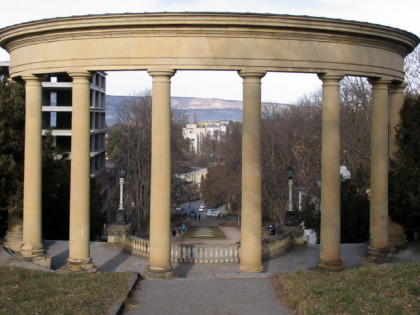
290	172
290	214
120	216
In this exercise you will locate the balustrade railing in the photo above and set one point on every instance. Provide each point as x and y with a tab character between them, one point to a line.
205	254
136	245
276	246
208	254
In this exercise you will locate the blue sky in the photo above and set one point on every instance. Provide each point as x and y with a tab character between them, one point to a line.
401	14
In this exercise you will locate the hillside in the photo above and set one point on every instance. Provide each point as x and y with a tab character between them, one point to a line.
206	109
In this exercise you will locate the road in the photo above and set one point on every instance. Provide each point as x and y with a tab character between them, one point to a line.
194	205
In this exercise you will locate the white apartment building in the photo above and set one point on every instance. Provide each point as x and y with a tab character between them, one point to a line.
215	130
196	132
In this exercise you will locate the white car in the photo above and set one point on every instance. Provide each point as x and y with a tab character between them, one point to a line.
213	213
201	208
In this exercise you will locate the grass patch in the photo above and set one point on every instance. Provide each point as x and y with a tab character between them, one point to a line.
25	291
370	290
210	232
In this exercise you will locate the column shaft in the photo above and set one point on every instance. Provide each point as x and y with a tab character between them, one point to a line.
160	194
79	238
32	191
378	246
330	175
250	252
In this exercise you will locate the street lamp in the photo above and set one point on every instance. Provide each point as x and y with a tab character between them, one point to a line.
120	216
290	219
290	172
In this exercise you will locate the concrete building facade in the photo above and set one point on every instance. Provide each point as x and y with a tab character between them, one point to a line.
252	45
196	132
57	117
195	135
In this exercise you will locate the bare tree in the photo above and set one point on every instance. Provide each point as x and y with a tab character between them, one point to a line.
129	147
356	99
412	72
290	137
223	180
130	141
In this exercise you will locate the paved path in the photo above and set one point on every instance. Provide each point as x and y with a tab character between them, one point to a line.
206	296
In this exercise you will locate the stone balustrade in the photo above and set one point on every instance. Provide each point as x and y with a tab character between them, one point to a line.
276	246
136	245
205	254
209	253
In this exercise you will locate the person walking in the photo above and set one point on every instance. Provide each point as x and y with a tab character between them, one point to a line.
199	216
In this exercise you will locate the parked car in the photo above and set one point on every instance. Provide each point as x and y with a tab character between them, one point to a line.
213	213
191	214
201	208
178	209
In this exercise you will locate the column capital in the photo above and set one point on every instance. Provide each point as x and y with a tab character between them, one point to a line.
397	87
80	74
380	83
161	72
252	74
330	77
32	78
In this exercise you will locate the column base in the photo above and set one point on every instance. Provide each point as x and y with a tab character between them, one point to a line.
397	240
397	243
13	240
36	255
82	265
251	269
159	273
376	256
332	265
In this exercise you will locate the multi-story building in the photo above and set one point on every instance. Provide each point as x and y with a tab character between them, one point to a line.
216	130
57	114
195	134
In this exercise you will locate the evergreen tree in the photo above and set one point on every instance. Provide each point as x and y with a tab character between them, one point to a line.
12	137
355	210
56	194
404	183
55	191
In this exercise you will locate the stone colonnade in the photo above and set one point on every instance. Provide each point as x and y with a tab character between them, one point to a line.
252	44
384	105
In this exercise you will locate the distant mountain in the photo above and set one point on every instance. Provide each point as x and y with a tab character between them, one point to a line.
206	109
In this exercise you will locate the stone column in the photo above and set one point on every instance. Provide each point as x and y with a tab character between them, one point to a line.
330	175
397	238
378	251
79	238
250	250
160	192
32	248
